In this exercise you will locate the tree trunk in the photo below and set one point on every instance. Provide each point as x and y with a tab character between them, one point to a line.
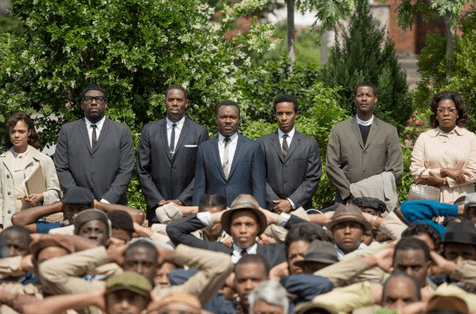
291	37
450	43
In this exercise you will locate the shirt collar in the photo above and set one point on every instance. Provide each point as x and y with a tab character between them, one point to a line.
341	254
290	133
457	130
363	122
233	138
250	250
99	124
179	123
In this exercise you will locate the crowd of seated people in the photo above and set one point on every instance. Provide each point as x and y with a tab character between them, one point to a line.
229	226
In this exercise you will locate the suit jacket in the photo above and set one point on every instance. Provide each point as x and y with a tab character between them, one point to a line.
349	160
179	231
296	176
166	176
247	174
107	170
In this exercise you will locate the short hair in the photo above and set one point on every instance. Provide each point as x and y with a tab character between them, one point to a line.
121	220
93	87
366	84
420	228
287	98
12	122
401	274
272	292
143	244
20	230
411	243
228	103
211	200
306	231
459	103
176	86
254	259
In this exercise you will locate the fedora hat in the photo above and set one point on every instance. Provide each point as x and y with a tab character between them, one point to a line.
319	252
244	202
463	232
349	212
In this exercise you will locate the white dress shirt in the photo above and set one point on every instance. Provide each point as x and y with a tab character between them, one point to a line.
231	148
178	129
99	126
289	139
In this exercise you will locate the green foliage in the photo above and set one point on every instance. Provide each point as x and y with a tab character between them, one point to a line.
406	179
307	47
365	55
436	76
328	12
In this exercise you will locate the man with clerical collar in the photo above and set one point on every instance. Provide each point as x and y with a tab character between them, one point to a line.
244	221
230	164
167	154
292	159
363	146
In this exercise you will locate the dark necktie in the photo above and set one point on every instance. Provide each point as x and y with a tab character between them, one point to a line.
172	139
244	252
226	161
94	137
285	145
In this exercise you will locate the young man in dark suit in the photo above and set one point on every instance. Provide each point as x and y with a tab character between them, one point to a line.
167	154
94	152
230	164
293	161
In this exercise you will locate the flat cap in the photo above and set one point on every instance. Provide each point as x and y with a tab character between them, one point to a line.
131	281
91	214
78	196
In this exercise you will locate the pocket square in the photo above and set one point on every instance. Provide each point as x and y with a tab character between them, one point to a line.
191	145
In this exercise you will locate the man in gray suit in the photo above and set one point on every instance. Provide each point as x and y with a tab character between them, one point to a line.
363	146
293	161
167	154
94	152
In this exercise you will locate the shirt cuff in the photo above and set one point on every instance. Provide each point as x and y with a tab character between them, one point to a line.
283	219
292	203
103	200
205	218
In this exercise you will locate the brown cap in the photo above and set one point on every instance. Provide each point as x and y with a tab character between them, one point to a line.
179	301
242	202
131	281
349	212
440	302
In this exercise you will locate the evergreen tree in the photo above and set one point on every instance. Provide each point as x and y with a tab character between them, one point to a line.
365	54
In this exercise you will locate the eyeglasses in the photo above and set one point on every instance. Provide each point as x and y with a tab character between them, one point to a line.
99	99
442	110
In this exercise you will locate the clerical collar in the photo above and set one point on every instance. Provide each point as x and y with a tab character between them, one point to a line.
363	122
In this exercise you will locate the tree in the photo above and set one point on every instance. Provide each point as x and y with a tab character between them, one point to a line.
449	11
365	54
133	48
328	12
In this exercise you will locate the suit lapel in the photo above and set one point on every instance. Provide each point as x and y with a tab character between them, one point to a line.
84	135
294	144
372	132
163	138
277	146
105	130
240	148
216	157
357	133
183	135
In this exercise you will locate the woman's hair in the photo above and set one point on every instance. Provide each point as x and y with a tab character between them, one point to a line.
12	122
460	106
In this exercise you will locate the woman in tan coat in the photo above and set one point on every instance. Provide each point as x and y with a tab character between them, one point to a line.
20	160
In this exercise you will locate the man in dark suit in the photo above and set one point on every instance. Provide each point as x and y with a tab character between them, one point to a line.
363	146
168	153
293	161
244	222
94	152
230	164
